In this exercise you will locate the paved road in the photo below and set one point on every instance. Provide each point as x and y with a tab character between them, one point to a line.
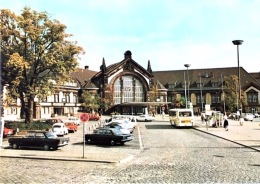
170	155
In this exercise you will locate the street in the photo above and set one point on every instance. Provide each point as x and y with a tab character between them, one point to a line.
170	155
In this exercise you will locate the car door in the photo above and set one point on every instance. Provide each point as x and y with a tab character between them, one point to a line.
39	140
102	136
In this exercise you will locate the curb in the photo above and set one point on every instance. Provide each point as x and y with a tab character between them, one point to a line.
255	149
60	159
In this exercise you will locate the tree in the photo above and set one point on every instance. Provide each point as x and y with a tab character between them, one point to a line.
35	54
90	101
231	91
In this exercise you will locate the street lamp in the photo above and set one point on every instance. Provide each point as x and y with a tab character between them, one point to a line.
237	43
188	99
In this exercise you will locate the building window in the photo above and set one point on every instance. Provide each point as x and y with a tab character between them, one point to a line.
45	110
117	91
67	98
139	93
199	85
128	89
252	97
171	86
75	98
214	84
199	100
215	98
56	97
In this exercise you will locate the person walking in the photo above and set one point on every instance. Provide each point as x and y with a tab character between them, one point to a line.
225	123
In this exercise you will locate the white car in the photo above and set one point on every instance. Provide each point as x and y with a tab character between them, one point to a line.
119	127
145	117
249	117
257	115
75	120
124	123
60	129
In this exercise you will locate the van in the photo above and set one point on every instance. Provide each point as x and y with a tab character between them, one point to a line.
181	117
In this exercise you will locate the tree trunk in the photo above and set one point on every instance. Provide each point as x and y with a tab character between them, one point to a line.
29	110
22	113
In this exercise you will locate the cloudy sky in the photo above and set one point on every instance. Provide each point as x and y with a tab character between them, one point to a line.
169	33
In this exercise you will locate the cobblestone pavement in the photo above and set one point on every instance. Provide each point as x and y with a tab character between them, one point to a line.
170	155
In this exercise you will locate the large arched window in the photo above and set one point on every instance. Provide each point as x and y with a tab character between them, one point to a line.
128	89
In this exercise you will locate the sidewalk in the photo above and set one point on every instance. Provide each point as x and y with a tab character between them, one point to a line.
247	135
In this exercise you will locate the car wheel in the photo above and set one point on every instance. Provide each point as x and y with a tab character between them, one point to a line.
112	142
15	146
55	147
46	147
89	141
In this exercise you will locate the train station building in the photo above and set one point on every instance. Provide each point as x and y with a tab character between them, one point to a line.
130	88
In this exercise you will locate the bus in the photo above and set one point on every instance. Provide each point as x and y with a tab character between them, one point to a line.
181	117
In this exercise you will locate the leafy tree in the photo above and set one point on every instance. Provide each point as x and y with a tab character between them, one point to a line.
179	102
231	93
90	101
36	53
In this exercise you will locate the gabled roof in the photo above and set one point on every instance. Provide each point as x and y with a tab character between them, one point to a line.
207	76
256	75
82	75
111	69
89	85
160	87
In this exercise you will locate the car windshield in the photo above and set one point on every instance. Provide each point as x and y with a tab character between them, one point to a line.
73	119
117	132
56	126
51	135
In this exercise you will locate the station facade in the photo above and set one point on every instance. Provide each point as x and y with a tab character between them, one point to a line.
130	88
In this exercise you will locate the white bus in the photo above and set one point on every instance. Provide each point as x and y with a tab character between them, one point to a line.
181	117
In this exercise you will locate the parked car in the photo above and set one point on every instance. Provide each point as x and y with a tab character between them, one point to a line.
110	136
145	117
249	117
123	130
94	117
75	120
8	131
52	121
132	119
71	126
124	123
38	139
60	129
256	115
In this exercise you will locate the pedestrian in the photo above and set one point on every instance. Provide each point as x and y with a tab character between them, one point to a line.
226	124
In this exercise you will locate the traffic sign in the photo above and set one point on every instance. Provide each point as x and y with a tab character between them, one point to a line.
84	117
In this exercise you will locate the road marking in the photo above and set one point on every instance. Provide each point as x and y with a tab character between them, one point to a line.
140	139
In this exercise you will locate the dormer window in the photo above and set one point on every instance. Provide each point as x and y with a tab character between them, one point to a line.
171	85
199	85
214	84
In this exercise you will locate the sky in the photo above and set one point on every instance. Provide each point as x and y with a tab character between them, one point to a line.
169	33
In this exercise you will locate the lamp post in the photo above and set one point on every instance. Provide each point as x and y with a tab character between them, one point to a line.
201	95
237	43
188	98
